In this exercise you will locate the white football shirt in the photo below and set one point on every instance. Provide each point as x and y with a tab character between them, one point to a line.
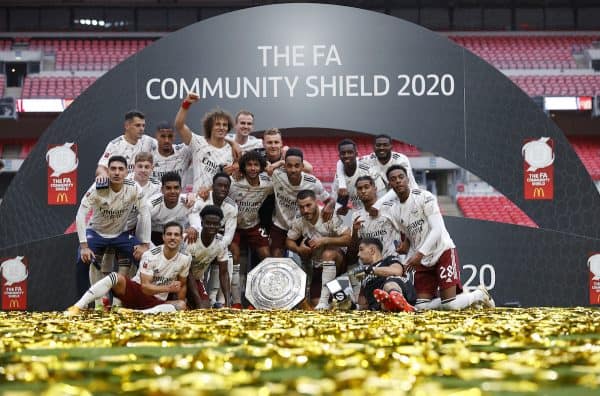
203	256
410	218
286	208
249	199
161	215
378	168
206	160
111	211
379	227
230	212
120	146
162	269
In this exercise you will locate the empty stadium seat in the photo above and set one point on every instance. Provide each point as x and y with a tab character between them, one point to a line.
559	85
588	150
493	208
527	52
89	54
55	87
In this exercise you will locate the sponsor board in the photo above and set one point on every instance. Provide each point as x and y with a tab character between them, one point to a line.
538	169
62	174
14	283
594	276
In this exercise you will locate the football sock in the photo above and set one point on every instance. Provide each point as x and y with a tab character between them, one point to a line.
160	308
236	292
97	290
424	304
329	271
462	300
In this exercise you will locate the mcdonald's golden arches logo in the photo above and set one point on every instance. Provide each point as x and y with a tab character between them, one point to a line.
538	192
62	198
13	304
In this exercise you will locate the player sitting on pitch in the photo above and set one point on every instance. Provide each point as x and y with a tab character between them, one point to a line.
386	285
162	271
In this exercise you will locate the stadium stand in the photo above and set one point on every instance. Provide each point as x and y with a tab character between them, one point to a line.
493	208
88	54
588	149
559	85
39	86
2	84
527	52
16	148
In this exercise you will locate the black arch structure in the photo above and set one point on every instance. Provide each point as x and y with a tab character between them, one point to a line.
481	127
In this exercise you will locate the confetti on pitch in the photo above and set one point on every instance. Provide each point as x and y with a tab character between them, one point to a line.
503	351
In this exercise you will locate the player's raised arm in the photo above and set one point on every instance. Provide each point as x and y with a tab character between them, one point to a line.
184	131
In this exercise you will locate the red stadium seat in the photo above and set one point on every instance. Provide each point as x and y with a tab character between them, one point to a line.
493	208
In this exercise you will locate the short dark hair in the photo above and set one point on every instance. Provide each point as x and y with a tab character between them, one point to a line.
211	210
134	113
346	142
221	174
252	155
372	241
395	167
303	194
164	125
172	224
169	177
117	158
294	152
382	136
363	178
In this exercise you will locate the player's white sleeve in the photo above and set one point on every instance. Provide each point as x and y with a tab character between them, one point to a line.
194	215
388	196
84	208
230	226
143	227
436	225
103	161
339	173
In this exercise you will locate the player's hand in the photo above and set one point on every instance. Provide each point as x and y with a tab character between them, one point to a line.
87	256
402	248
343	211
174	287
230	169
357	224
190	200
203	193
414	263
342	192
237	175
315	243
138	250
192	97
327	212
192	235
373	212
304	251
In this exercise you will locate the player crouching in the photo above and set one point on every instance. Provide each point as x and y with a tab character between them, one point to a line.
162	271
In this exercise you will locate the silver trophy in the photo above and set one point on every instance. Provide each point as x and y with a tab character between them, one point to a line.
276	283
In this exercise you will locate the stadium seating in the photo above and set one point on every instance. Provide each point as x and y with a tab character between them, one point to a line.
88	54
22	147
2	85
559	85
527	52
493	208
322	152
37	86
588	150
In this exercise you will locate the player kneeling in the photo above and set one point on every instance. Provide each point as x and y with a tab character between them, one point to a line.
163	271
385	285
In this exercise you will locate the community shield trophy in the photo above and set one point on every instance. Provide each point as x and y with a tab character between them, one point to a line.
276	283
